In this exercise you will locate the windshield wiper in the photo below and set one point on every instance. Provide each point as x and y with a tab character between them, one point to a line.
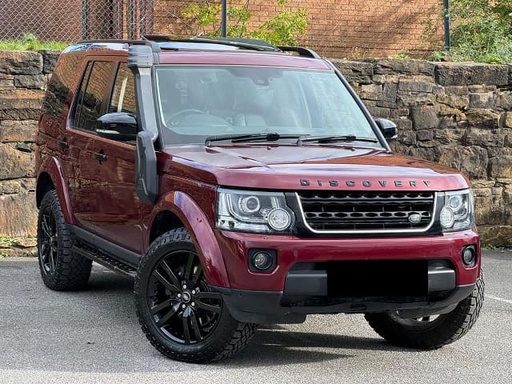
333	139
246	138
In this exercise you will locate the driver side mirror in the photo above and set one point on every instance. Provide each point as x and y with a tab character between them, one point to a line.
119	126
388	128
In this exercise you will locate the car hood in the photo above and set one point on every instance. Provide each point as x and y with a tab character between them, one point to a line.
291	167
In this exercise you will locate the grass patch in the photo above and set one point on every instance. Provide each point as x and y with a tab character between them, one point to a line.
30	42
7	242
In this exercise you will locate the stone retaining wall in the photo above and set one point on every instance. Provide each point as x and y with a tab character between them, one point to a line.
452	113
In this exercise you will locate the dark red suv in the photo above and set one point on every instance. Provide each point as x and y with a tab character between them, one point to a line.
239	183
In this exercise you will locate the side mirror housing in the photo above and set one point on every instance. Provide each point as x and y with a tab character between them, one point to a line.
146	182
388	128
120	126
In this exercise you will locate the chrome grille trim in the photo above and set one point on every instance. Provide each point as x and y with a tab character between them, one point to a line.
366	212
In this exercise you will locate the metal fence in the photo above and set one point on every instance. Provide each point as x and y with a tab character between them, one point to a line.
72	20
351	28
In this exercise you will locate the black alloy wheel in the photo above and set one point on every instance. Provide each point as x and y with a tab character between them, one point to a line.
61	268
182	316
182	305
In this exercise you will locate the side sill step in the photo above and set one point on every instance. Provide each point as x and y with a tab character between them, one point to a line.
105	260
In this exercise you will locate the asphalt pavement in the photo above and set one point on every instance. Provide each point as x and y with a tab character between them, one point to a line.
93	336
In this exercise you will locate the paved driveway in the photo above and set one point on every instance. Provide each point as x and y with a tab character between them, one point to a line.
93	337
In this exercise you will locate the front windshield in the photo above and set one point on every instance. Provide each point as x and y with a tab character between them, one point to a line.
196	102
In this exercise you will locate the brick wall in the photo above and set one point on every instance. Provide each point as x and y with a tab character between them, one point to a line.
348	28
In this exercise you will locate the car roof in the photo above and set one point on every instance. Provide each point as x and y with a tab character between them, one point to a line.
211	51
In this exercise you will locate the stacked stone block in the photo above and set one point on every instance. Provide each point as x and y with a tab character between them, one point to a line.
457	114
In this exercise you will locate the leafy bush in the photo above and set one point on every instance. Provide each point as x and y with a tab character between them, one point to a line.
481	31
203	18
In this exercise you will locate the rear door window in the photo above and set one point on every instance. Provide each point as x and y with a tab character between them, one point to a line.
93	95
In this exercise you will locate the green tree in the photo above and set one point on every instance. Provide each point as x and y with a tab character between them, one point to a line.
284	28
482	30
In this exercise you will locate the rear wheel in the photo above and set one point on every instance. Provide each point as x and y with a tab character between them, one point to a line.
61	269
433	331
180	314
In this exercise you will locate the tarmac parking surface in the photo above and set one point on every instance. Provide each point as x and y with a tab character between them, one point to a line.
93	336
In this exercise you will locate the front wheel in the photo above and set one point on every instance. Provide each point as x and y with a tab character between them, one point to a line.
430	332
180	314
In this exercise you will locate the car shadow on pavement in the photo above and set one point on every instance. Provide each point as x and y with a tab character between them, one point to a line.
273	345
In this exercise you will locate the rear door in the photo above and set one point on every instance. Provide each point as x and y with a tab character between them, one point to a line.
103	194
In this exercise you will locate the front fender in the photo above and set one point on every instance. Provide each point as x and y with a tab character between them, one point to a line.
53	168
196	222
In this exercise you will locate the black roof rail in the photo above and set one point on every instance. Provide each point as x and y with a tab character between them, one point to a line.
306	52
253	44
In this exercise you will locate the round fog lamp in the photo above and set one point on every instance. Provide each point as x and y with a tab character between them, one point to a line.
447	217
468	256
262	261
279	219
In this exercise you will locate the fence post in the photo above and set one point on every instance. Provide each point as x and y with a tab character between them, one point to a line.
224	18
446	16
84	19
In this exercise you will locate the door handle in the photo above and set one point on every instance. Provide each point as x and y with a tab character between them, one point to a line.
63	144
100	156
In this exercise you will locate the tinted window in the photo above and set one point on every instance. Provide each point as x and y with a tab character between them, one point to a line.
62	83
123	95
92	96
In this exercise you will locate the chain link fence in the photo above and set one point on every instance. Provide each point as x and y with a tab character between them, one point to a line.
352	28
73	20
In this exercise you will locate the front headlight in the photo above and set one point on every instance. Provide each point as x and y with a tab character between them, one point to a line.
458	212
253	211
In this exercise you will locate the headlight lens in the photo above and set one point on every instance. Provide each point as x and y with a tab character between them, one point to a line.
458	212
253	211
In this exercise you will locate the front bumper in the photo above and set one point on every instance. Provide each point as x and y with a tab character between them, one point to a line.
417	276
267	307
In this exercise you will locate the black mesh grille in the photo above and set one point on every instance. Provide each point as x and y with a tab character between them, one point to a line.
367	211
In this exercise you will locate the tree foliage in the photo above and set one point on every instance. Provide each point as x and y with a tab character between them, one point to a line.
481	30
203	18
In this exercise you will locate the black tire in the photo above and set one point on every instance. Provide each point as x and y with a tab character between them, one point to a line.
61	269
429	332
180	314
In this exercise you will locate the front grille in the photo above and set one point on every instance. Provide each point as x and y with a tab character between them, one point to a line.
367	212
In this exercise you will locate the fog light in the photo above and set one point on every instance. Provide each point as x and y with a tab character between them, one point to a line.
469	255
262	260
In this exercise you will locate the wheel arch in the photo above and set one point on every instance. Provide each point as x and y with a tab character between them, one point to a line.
51	177
178	209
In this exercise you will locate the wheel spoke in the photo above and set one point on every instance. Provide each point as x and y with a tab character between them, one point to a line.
165	282
45	226
45	251
186	329
51	262
189	269
197	275
172	311
216	308
195	326
173	279
163	305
